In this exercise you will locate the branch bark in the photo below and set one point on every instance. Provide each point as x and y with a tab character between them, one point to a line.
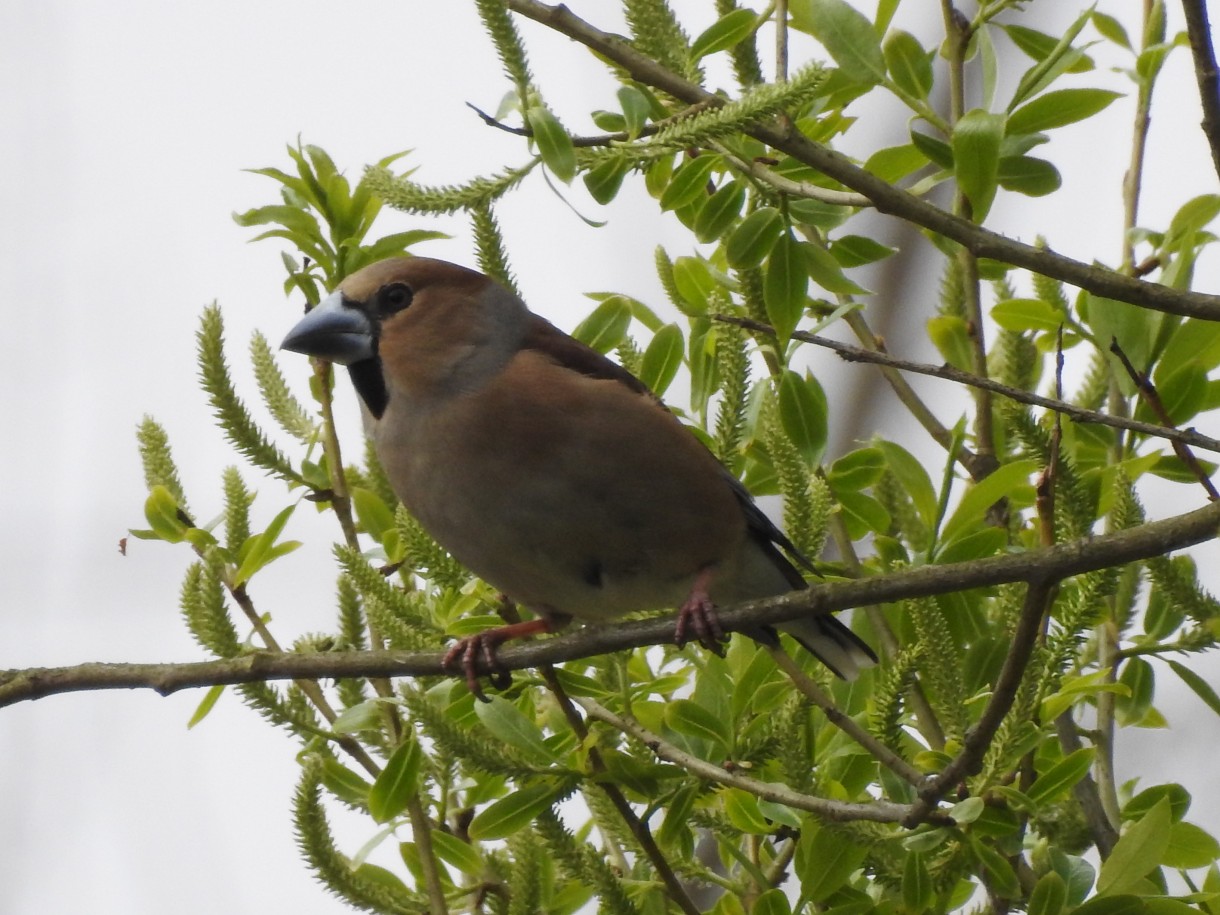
1045	565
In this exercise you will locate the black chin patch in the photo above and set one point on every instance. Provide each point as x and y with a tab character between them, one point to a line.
369	381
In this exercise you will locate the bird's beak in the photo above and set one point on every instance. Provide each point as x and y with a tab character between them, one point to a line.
333	331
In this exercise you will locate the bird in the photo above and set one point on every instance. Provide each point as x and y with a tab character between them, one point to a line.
547	469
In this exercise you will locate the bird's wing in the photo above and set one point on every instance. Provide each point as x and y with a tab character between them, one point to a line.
577	357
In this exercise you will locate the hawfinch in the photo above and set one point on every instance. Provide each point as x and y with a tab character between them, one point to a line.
546	469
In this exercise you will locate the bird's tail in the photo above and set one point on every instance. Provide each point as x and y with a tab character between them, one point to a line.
832	643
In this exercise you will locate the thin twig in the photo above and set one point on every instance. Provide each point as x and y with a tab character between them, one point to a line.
840	811
1148	392
785	185
1155	538
978	739
844	723
1086	790
885	197
949	373
639	829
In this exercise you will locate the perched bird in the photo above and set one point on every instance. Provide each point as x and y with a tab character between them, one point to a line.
546	469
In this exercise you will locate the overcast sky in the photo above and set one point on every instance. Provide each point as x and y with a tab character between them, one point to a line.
126	129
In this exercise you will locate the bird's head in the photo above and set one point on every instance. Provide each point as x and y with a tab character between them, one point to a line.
422	326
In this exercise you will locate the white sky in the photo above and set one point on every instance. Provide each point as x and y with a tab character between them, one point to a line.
126	127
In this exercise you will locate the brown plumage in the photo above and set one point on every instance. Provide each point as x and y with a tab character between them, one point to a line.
545	468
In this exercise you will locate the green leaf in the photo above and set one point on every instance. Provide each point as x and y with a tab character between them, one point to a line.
662	358
802	413
636	109
772	902
856	470
689	182
161	512
1027	314
1002	879
742	810
846	34
515	811
604	181
827	273
605	328
862	514
951	337
936	151
1135	329
1058	109
857	250
462	855
261	550
895	162
1125	904
1190	847
398	782
692	719
1201	687
695	284
365	716
373	514
910	65
1140	681
1192	217
976	157
912	476
724	33
508	724
719	211
918	888
825	860
753	239
554	144
1049	895
785	286
1137	852
206	705
1028	175
343	783
1111	28
1060	778
981	543
982	495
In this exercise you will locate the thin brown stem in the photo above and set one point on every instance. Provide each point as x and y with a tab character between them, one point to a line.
949	373
815	694
1150	396
1134	177
1038	597
639	829
840	811
1086	791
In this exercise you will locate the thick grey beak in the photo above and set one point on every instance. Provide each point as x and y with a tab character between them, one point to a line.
333	331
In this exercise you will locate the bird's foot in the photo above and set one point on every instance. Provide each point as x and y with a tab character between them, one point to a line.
697	618
476	654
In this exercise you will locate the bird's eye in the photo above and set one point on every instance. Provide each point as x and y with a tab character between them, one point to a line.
394	298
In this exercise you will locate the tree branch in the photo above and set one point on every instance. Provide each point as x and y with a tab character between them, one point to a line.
949	373
885	197
1199	31
1045	565
875	811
